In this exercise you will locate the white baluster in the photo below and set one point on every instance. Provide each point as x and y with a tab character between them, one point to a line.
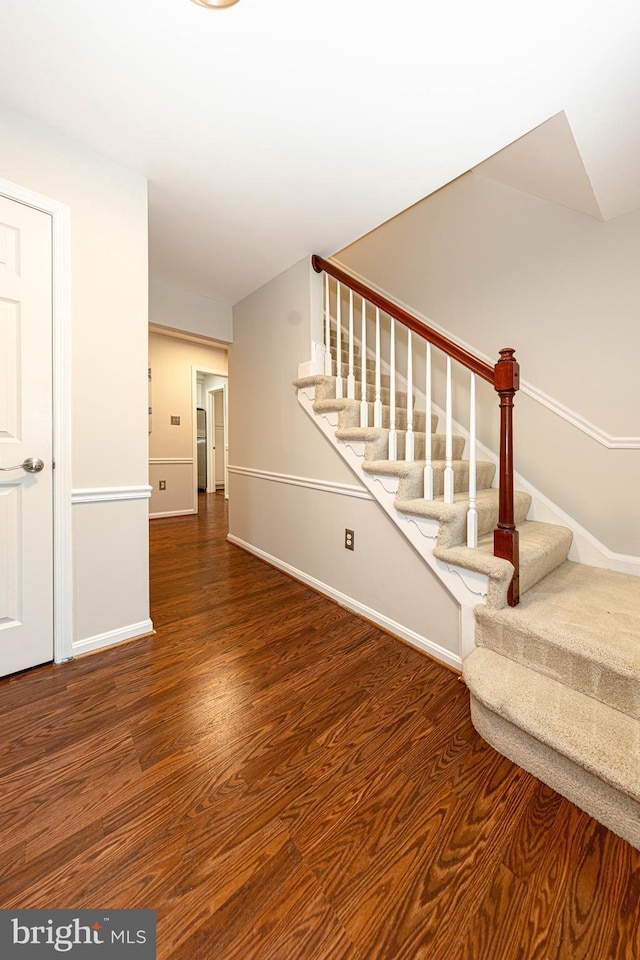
472	515
409	453
364	406
393	436
338	343
328	367
428	467
377	406
351	380
448	470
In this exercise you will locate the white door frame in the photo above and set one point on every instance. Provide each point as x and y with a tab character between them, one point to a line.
211	439
61	399
207	371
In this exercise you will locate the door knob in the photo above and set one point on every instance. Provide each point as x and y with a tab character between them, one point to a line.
31	465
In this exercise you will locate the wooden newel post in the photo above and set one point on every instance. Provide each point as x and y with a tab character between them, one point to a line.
505	536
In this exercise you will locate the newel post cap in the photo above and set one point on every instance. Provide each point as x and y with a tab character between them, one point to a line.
507	371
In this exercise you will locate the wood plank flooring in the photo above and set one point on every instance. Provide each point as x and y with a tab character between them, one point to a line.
281	780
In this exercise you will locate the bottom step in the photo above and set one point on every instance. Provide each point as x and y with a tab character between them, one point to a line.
583	749
608	806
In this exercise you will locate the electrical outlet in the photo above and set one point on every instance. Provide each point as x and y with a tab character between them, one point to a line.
162	485
349	539
175	421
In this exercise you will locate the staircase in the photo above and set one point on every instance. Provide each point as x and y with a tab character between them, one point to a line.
554	681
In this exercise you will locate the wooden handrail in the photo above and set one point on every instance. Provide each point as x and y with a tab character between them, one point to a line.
505	379
483	369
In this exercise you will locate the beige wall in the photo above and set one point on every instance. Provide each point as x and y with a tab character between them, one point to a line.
171	452
271	337
302	527
109	281
497	267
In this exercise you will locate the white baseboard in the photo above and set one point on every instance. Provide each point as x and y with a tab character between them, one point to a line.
172	513
108	639
410	636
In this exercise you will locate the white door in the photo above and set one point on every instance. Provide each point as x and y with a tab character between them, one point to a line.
217	406
26	498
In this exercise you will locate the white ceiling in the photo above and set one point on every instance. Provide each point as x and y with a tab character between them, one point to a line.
276	128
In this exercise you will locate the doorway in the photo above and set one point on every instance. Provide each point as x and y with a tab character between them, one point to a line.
209	392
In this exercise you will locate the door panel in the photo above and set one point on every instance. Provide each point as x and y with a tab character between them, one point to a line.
26	508
9	369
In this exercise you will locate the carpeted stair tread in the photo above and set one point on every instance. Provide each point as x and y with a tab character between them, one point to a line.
411	476
581	626
325	389
349	414
325	385
453	516
543	547
377	444
357	365
603	741
376	439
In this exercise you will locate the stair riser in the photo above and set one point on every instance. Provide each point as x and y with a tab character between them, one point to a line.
572	667
357	368
385	396
327	391
350	417
385	379
418	454
485	473
411	487
454	531
330	392
532	573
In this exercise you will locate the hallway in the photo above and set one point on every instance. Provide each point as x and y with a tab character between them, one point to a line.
281	780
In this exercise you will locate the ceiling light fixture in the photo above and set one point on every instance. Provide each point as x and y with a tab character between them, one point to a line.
213	4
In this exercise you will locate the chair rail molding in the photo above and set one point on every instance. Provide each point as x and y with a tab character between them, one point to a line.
155	460
326	486
106	494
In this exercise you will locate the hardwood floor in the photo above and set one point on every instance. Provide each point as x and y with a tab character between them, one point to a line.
281	780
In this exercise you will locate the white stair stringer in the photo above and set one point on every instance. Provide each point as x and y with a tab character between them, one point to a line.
468	587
